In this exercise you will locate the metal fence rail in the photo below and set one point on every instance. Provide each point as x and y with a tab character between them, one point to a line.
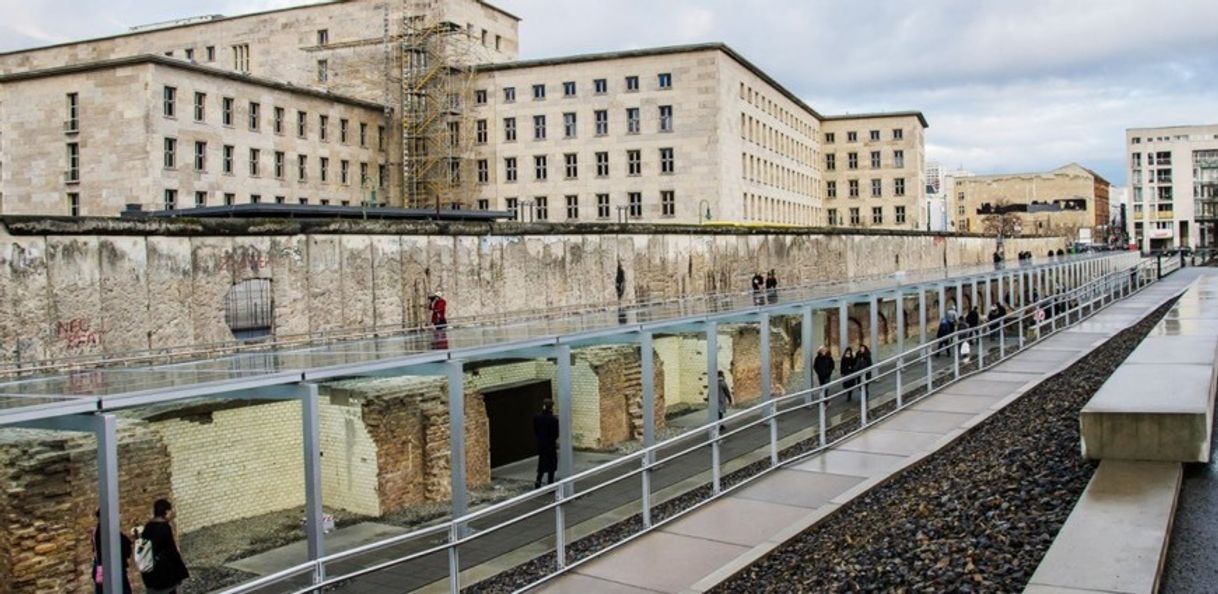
731	453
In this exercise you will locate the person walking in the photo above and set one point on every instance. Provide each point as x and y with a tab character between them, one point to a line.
439	310
168	570
946	327
125	548
545	431
823	365
758	285
862	362
973	319
725	396
847	368
771	287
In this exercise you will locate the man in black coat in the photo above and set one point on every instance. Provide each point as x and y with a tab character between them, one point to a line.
168	571
545	430
823	365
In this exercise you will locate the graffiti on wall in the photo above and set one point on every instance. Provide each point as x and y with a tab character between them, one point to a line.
252	261
77	333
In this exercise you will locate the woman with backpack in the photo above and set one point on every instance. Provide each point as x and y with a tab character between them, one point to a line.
98	572
156	545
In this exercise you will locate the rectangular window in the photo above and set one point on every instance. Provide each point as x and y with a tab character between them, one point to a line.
481	132
278	120
255	112
513	207
211	53
634	162
568	125
454	134
572	208
323	36
875	135
831	189
279	164
344	171
171	199
363	174
898	159
830	162
380	138
509	129
323	128
539	168
171	102
543	207
875	159
665	80
602	122
602	206
539	127
898	186
898	134
852	160
509	169
382	174
323	169
344	129
200	106
484	171
200	199
323	71
568	89
280	199
667	161
227	154
302	167
833	222
829	137
600	86
302	124
854	217
633	122
877	215
230	199
852	137
509	94
171	150
635	201
484	204
571	166
632	84
200	156
241	57
668	203
877	188
480	97
900	215
853	188
539	92
602	164
454	173
665	118
72	175
226	111
363	135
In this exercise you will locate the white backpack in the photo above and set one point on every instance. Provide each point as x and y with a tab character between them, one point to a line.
145	561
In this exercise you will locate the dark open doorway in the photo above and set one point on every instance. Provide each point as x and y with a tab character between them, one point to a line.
510	410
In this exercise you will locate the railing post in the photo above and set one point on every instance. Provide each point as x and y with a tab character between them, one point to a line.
560	531
715	478
956	358
820	417
981	347
900	301
454	560
863	385
930	371
1002	338
647	459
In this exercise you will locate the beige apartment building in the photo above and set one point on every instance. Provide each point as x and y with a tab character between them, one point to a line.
1071	201
1173	180
874	169
326	103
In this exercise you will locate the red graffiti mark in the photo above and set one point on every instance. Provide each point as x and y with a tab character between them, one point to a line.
251	262
77	333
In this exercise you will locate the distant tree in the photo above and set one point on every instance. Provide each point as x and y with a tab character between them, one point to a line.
1000	222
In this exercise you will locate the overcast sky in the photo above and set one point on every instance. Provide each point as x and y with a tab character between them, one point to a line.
1007	85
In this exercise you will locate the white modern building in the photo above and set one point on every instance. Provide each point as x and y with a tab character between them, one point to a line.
1173	181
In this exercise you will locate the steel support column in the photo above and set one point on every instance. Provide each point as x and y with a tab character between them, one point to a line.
105	429
646	353
805	331
942	300
566	451
310	417
454	370
873	304
921	316
712	372
763	327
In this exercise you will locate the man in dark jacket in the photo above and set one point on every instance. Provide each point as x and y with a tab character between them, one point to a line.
545	430
168	570
758	285
771	287
823	365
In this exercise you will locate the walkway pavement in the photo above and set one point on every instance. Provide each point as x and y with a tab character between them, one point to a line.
701	549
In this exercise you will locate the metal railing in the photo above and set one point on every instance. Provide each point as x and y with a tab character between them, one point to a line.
581	517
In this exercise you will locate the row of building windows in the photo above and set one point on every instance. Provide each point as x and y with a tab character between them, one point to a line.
172	201
776	210
571	165
570	125
485	37
1176	138
776	175
877	188
772	108
872	136
877	161
770	138
538	208
570	88
280	164
877	217
252	113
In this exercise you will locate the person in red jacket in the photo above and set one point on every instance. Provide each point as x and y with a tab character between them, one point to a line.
439	310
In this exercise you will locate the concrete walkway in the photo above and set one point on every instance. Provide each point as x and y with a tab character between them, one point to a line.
698	551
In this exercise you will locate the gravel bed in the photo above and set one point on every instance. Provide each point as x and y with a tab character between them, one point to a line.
976	517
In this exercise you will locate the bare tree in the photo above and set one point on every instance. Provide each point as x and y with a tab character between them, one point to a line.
1000	221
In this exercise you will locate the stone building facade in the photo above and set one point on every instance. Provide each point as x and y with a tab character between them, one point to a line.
874	170
1070	201
1173	173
